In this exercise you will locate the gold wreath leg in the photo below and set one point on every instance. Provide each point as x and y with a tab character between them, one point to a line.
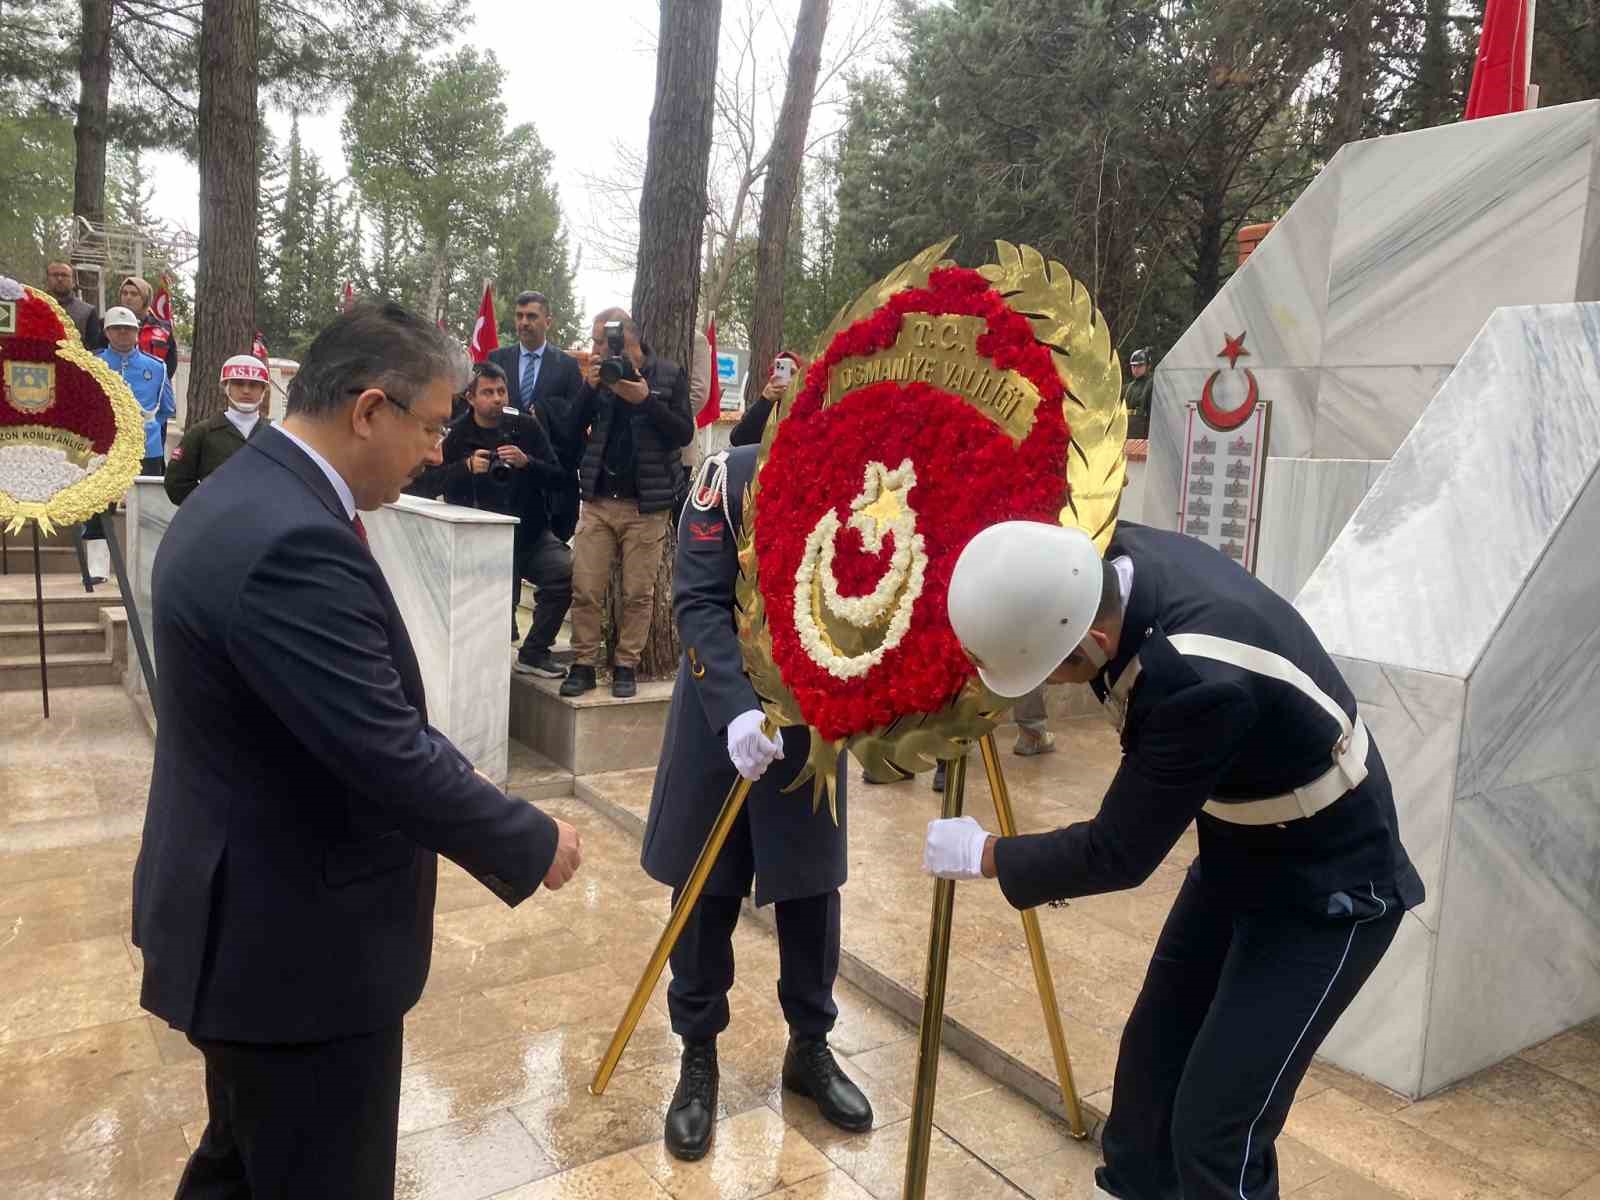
669	936
944	901
1041	964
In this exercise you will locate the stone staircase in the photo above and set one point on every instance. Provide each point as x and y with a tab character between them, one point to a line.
85	634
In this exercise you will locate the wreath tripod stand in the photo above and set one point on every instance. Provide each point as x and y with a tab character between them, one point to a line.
938	964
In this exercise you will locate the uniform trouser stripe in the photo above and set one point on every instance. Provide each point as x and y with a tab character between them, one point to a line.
1244	1164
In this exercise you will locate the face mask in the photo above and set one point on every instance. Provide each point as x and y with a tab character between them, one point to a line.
247	407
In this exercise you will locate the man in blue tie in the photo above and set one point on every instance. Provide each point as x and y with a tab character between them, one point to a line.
544	382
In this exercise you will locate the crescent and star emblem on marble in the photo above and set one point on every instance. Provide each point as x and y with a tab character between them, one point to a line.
1229	414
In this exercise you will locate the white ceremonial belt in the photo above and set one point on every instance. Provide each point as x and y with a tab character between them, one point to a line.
1348	770
1349	752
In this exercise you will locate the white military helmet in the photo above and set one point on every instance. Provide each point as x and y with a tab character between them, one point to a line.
1022	598
244	368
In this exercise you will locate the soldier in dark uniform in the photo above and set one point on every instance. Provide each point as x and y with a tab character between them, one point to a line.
1233	717
796	858
209	443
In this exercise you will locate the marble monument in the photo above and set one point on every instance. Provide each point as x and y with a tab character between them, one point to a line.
1460	603
1357	306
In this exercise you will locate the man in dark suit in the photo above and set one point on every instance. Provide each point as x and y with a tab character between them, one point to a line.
545	381
795	857
283	896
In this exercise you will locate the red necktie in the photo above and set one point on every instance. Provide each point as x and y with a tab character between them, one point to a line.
361	530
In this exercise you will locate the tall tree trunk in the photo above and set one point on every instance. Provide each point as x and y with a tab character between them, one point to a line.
783	181
225	283
94	100
672	214
436	278
1355	74
672	205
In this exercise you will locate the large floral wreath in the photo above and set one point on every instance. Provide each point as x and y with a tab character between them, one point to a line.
71	433
862	505
947	471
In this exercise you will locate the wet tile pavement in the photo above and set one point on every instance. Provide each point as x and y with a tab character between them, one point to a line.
99	1100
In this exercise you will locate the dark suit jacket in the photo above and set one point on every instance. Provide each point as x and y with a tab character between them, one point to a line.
285	885
791	851
554	394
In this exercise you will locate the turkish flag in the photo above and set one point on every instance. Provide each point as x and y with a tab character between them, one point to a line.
1500	74
259	347
484	336
712	408
161	305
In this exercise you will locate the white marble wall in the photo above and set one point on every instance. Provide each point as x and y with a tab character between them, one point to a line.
149	514
1459	601
450	571
1359	303
1304	504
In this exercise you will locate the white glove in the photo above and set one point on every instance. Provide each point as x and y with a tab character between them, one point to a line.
954	849
751	750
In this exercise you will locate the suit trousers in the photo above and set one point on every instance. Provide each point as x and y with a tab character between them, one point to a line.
1233	1008
287	1122
808	963
610	528
545	562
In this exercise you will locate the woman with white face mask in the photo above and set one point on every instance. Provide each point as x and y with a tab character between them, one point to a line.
209	443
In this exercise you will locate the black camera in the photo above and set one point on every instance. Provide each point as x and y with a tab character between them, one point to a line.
616	365
512	424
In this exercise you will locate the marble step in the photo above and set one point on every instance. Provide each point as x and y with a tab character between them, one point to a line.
73	656
53	559
62	637
20	673
64	600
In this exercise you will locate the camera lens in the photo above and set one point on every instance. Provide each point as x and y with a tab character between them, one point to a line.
610	370
499	471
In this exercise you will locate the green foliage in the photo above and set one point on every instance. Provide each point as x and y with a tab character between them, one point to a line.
454	196
36	201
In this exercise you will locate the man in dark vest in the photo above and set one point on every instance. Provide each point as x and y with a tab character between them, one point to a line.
796	857
1234	719
634	413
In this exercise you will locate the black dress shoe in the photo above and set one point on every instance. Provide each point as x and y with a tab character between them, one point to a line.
623	683
810	1070
693	1112
938	777
579	680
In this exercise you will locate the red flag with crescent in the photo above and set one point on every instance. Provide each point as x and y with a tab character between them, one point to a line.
484	336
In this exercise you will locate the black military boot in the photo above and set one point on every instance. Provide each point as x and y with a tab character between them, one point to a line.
693	1112
810	1070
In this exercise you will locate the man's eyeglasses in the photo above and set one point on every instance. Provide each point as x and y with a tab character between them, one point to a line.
436	432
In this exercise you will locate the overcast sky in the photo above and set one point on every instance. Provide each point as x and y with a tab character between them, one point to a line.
584	75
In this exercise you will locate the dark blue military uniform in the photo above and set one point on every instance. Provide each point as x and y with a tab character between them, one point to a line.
1234	718
796	858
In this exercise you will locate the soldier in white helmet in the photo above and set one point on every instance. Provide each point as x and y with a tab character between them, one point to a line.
1235	719
209	443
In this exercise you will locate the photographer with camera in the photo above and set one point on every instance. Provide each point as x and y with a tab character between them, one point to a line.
501	460
633	412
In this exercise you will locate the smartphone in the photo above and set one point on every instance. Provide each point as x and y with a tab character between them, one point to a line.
783	370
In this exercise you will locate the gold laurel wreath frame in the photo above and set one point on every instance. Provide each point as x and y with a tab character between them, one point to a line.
77	502
1064	318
